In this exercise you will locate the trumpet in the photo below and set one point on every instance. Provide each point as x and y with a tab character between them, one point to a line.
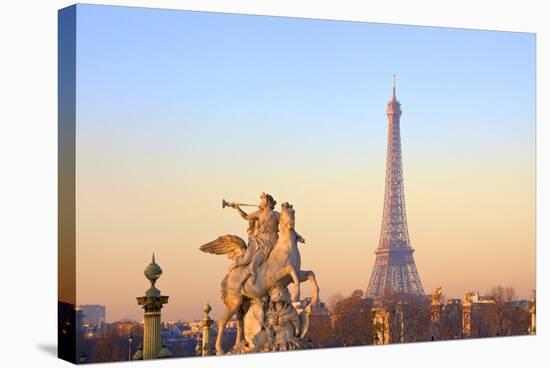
225	204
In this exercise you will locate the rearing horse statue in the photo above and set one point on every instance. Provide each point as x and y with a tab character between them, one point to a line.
281	268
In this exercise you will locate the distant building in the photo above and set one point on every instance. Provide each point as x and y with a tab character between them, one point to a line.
79	320
523	303
478	316
195	326
124	328
94	314
176	329
451	320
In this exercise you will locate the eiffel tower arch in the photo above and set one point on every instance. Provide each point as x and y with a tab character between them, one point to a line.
394	268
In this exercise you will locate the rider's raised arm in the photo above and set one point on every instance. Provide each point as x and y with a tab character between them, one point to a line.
253	216
248	216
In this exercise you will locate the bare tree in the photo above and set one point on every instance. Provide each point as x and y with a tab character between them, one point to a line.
450	324
352	320
417	319
503	313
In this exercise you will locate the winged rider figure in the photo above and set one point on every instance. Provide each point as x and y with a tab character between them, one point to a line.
263	232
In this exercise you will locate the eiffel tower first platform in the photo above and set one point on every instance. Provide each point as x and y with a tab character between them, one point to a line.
394	268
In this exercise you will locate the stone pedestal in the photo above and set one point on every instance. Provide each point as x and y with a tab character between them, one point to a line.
151	324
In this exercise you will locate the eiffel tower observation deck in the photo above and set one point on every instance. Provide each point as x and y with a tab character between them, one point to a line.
394	268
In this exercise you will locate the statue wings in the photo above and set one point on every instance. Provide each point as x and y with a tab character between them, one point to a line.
231	245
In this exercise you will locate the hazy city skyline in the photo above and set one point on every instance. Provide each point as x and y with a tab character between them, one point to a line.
177	110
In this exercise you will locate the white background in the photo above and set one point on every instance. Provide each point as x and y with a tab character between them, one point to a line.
28	185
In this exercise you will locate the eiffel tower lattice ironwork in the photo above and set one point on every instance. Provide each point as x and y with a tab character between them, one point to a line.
394	268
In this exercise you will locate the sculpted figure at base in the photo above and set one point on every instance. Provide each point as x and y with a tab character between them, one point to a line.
469	297
259	277
282	327
436	296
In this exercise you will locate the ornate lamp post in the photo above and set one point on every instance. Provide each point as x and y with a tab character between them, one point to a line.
152	303
206	324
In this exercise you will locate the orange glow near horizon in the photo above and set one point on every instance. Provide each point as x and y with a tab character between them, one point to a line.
471	228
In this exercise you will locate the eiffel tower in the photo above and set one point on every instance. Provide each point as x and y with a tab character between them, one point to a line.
394	268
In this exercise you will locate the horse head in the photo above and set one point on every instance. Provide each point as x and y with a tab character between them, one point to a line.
287	219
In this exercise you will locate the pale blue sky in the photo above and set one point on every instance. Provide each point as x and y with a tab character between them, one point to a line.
203	72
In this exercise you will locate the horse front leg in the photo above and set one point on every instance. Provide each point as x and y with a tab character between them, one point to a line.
296	281
310	276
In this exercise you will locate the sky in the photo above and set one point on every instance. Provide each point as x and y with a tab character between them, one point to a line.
177	110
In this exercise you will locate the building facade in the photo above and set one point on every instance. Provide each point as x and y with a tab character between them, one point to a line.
94	314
